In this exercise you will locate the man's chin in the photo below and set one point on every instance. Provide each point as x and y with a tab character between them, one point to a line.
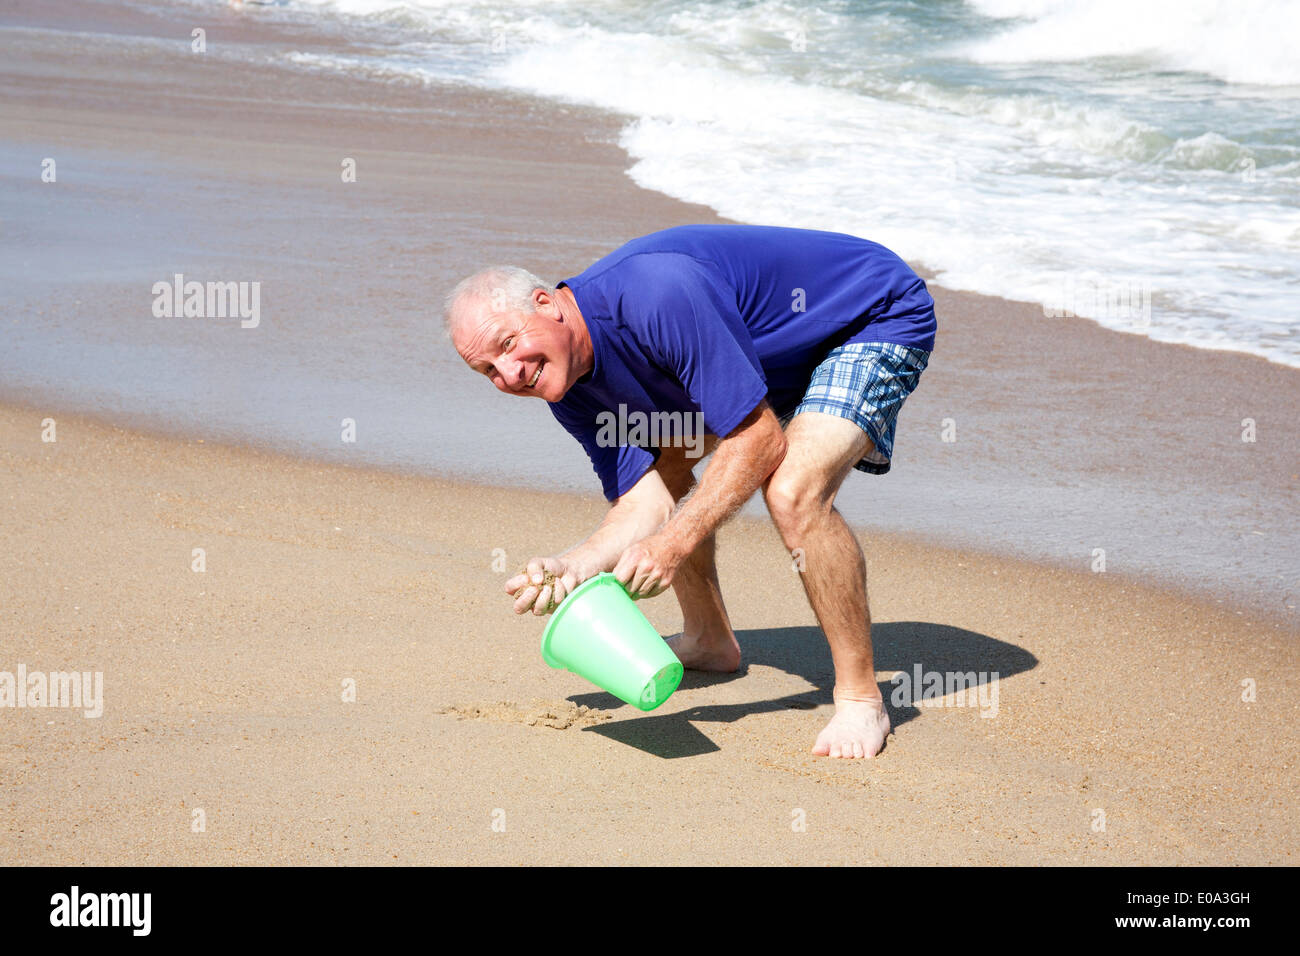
552	399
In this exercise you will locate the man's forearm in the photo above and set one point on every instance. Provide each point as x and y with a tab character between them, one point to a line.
740	465
625	522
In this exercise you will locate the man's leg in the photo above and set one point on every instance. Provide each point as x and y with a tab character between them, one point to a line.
800	495
707	641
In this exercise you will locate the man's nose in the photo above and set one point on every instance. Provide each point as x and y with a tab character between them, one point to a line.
512	372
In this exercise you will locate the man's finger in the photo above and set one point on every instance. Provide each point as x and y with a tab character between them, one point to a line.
640	580
624	570
628	579
526	576
666	580
543	603
525	599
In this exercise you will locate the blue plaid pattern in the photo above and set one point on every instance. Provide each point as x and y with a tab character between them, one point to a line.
867	383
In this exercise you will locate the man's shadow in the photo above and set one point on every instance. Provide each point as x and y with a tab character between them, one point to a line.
803	652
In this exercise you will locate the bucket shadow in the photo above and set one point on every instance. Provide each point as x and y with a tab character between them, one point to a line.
802	652
665	735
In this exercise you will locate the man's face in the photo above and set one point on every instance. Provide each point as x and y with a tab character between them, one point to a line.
523	353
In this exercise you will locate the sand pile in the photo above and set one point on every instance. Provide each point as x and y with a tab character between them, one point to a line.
556	714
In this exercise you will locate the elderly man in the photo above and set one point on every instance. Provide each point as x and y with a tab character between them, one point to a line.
729	331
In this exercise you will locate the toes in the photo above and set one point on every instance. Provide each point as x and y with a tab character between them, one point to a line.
841	749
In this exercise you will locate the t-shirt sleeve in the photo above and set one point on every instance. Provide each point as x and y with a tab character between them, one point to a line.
617	467
684	315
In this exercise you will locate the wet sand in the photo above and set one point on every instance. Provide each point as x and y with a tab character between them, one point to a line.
223	689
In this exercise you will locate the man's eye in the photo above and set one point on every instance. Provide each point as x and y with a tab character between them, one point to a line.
508	342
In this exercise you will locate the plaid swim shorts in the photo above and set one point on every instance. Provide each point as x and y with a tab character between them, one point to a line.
867	383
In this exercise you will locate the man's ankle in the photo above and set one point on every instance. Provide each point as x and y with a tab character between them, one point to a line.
858	695
713	634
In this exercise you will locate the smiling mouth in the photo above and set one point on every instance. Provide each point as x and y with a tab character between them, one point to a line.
537	375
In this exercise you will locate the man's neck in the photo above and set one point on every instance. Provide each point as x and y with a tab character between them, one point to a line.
581	336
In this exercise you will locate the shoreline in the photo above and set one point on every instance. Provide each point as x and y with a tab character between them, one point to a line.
1070	437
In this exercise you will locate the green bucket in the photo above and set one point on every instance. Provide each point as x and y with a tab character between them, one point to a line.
600	634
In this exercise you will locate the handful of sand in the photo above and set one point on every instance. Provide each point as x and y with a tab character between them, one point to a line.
548	577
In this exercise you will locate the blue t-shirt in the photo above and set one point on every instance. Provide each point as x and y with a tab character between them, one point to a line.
713	319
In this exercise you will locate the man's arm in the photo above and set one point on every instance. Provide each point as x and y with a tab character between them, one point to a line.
639	540
636	514
740	464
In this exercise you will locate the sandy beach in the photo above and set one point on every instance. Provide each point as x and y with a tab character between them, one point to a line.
223	690
343	682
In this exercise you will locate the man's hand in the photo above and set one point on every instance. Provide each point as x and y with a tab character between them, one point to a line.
646	568
544	584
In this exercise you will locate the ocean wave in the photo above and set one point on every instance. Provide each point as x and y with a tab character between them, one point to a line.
998	181
1209	151
1242	41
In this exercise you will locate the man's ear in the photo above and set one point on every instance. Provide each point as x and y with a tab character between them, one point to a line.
546	303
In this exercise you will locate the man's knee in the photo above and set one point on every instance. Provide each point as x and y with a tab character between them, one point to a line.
797	498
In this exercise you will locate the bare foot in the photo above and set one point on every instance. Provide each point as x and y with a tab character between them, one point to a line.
706	654
858	729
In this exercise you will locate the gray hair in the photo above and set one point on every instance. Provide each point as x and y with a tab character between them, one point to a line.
503	288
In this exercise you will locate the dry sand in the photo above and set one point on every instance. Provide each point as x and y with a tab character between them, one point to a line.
223	690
